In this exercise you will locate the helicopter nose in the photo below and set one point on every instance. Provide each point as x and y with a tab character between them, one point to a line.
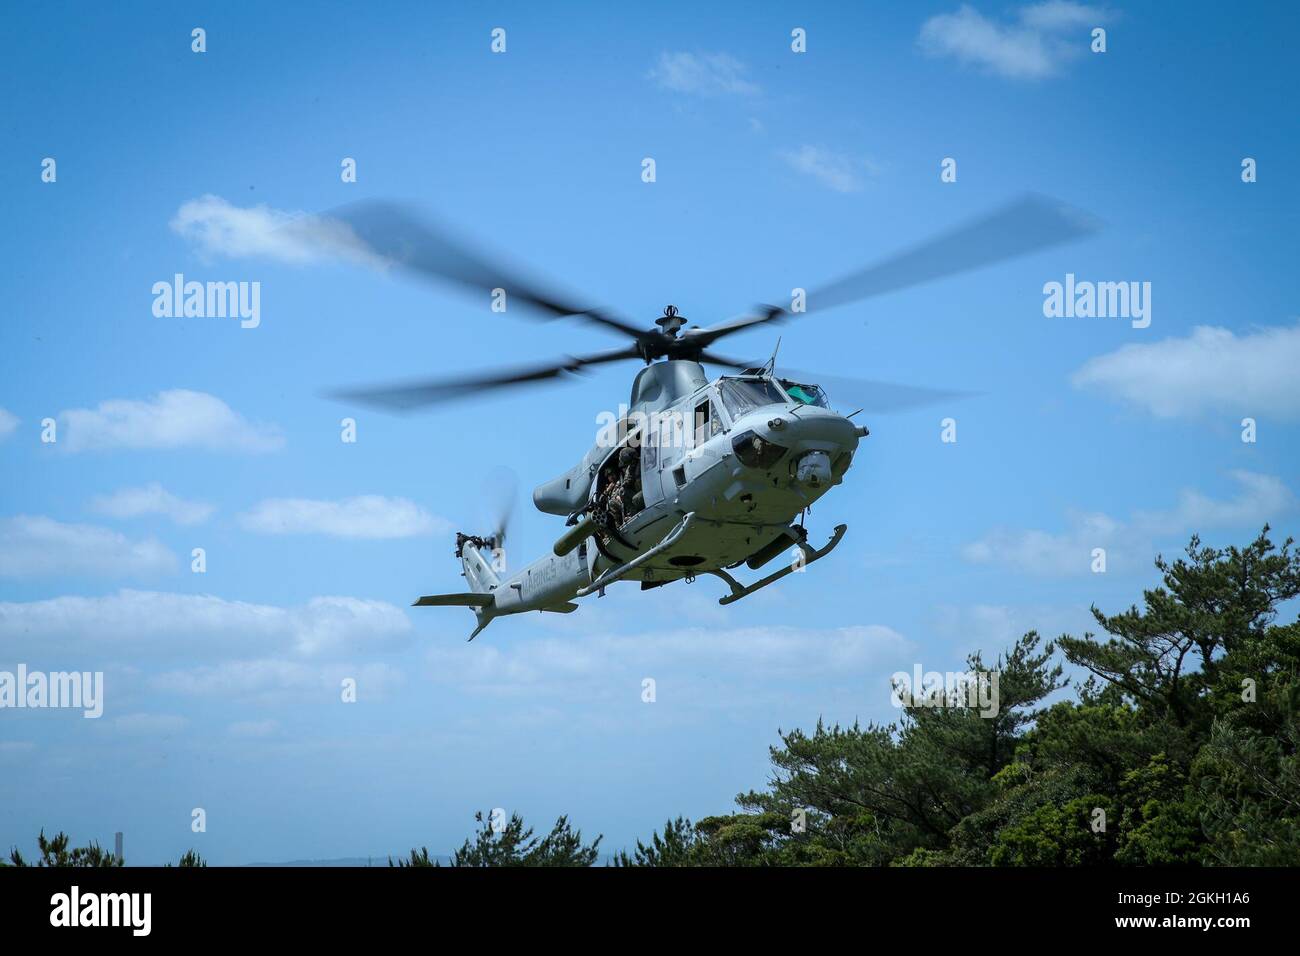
812	426
809	441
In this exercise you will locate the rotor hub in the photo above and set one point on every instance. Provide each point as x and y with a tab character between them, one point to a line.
670	321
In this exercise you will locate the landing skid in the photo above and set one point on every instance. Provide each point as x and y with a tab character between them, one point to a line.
739	590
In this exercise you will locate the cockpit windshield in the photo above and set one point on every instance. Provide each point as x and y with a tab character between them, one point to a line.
742	394
807	394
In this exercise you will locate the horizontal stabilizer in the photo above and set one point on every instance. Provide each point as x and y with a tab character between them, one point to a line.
567	608
454	600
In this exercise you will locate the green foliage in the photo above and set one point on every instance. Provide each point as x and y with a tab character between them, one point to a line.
54	851
875	794
1056	835
515	845
421	858
1169	658
1183	747
676	847
191	858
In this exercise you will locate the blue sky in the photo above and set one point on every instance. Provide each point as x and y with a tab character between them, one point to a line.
774	170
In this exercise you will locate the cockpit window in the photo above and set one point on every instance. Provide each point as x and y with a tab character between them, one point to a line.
807	394
742	394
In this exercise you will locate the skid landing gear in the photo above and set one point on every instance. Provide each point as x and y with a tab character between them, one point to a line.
810	555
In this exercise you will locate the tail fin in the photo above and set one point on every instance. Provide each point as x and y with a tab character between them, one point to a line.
479	560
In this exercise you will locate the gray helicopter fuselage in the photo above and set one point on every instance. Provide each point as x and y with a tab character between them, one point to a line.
694	446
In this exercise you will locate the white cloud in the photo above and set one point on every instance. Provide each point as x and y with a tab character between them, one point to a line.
1210	370
991	628
161	624
782	653
151	499
835	170
988	627
220	229
1035	45
272	681
704	74
150	725
365	516
1260	499
1041	552
8	423
178	418
254	728
33	545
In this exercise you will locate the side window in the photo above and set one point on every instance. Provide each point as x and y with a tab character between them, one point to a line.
705	423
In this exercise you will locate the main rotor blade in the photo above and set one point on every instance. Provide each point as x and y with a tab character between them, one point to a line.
396	235
1026	225
737	364
403	397
871	395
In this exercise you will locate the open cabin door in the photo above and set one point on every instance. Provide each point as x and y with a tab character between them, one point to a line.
620	482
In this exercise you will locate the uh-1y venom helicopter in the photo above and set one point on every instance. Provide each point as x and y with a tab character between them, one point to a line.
701	475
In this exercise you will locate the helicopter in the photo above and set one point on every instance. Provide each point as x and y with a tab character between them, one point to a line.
700	475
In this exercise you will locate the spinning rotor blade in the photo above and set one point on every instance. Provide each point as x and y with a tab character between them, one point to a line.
870	395
499	488
1026	225
397	236
416	394
737	364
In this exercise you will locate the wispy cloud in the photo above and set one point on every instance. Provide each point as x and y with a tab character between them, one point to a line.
220	229
272	681
365	516
33	545
254	728
1048	553
1260	498
160	624
702	74
8	424
1036	44
1128	544
151	499
837	171
989	628
1211	370
178	418
150	725
753	653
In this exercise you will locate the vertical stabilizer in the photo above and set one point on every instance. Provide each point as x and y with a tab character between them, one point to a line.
480	561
